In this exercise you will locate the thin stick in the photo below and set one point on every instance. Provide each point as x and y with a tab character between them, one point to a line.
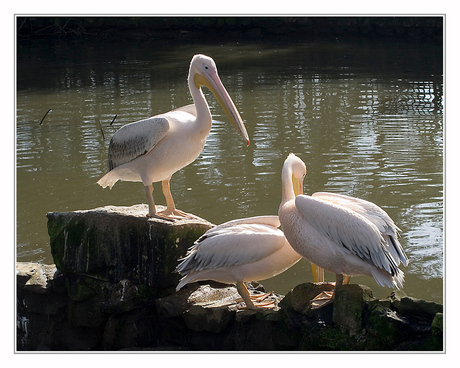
100	127
43	118
113	119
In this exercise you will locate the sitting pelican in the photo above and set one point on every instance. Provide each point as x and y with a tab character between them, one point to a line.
249	249
153	149
344	235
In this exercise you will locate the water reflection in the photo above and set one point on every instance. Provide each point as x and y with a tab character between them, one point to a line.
366	119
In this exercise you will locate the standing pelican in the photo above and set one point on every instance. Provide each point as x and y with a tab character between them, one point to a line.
344	235
153	149
249	249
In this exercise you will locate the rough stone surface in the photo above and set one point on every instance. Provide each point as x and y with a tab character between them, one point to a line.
82	313
437	326
422	308
348	307
101	295
35	276
115	243
299	298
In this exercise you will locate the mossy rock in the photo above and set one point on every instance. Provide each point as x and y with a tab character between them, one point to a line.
385	326
437	326
116	243
348	307
299	298
422	308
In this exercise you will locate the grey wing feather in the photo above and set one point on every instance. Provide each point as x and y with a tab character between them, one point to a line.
377	216
136	139
348	229
230	246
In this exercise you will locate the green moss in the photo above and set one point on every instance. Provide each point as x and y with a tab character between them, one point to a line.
348	307
145	293
384	327
80	288
437	326
327	338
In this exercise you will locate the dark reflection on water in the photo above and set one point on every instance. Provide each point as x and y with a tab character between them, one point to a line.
366	118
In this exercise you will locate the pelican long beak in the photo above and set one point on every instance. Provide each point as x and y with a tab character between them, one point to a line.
297	186
212	81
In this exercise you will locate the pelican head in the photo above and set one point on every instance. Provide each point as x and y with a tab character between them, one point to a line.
295	170
203	72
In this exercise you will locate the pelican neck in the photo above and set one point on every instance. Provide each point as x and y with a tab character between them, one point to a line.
202	109
286	180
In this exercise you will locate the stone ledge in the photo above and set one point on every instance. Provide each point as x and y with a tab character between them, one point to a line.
113	288
116	243
81	313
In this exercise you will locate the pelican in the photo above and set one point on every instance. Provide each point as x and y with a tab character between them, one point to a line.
153	149
249	249
344	235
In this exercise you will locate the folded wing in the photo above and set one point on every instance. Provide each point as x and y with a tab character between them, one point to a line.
136	139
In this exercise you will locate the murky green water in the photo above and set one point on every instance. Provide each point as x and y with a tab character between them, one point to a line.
367	118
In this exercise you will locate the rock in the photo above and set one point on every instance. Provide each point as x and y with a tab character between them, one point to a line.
173	305
125	296
299	298
207	295
348	307
437	326
33	281
112	288
419	307
81	287
86	313
115	243
215	319
137	328
36	276
386	327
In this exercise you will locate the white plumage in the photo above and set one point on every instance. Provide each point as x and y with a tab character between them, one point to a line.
250	249
153	149
341	234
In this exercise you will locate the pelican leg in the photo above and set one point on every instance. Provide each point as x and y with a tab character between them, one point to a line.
322	299
171	210
150	201
318	273
244	292
260	297
327	297
248	298
338	280
152	210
